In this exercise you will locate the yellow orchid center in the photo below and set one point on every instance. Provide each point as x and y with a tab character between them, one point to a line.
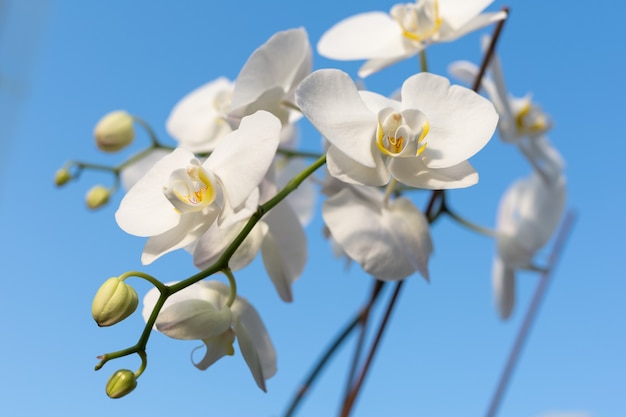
531	120
397	136
420	21
191	189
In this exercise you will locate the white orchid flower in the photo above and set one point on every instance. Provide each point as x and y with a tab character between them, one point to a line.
201	312
180	197
528	215
198	120
423	141
522	122
384	39
268	79
390	239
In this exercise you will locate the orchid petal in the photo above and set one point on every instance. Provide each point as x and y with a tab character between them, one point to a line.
145	210
331	101
198	121
254	342
413	172
190	228
243	157
461	121
458	12
284	249
363	36
216	348
193	320
345	169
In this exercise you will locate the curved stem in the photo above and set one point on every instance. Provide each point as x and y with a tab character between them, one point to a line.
490	50
472	226
233	286
153	137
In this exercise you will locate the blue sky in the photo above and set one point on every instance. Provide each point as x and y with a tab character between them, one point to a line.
65	64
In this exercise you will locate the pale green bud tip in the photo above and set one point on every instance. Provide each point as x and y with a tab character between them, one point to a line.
114	301
122	382
114	131
62	176
97	197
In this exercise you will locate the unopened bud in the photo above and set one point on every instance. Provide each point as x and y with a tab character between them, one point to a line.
114	301
62	176
114	131
122	382
97	197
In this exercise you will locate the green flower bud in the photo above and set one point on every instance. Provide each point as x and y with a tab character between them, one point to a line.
97	197
114	301
62	176
122	382
114	131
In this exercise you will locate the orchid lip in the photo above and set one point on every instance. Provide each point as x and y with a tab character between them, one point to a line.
191	189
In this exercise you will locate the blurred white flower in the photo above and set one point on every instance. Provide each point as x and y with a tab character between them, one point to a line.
528	215
521	122
201	312
423	141
384	39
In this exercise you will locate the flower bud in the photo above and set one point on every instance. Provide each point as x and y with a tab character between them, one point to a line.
114	131
97	197
122	382
114	301
62	176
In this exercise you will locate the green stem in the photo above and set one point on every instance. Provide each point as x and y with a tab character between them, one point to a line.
153	137
297	154
423	61
233	286
472	226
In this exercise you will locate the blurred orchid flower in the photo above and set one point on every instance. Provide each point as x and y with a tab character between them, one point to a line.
522	121
180	197
390	239
528	215
384	39
423	141
201	312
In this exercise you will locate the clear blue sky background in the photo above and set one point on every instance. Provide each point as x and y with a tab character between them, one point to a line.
63	64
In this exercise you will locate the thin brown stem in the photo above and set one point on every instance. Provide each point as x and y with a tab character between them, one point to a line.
490	50
352	395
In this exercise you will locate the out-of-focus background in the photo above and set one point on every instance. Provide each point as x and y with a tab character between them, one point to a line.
64	64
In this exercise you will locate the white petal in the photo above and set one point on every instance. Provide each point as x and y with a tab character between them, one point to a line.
476	23
412	231
343	168
461	121
503	280
281	63
198	121
331	101
284	249
191	227
545	158
254	342
413	172
365	235
135	171
212	244
377	64
193	320
302	199
243	157
459	12
363	36
144	210
216	348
